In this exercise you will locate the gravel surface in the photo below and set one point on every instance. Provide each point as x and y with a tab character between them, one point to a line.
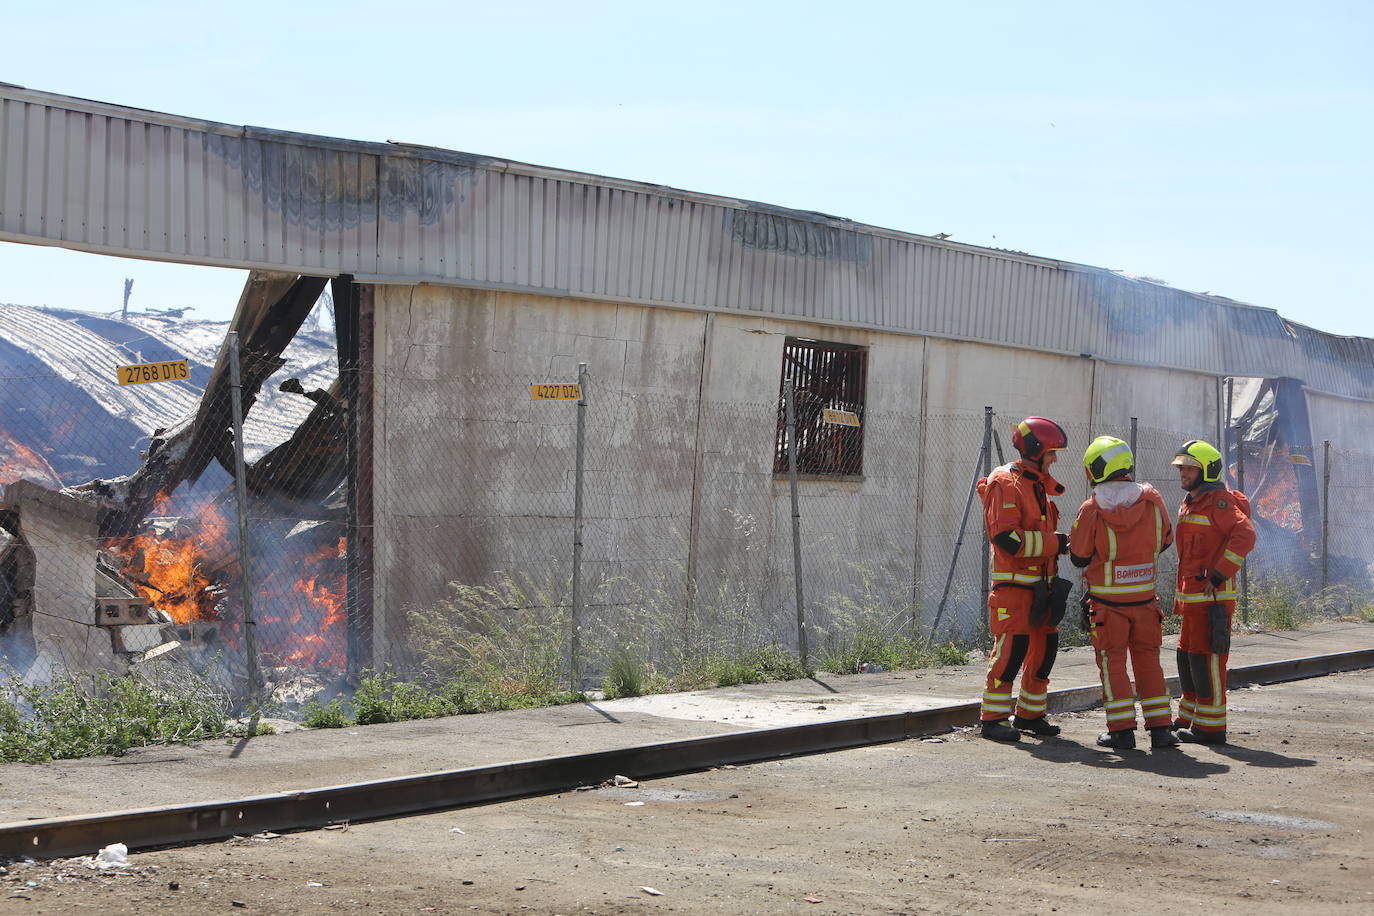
1277	821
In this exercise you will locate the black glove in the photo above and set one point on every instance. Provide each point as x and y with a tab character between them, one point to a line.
1085	617
1059	599
1218	629
1217	579
1063	542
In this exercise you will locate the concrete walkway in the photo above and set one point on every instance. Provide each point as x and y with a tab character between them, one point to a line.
307	758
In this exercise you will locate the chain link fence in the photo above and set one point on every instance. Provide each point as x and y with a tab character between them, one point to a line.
454	547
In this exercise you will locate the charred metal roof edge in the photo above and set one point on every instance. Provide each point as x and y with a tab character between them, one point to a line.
500	164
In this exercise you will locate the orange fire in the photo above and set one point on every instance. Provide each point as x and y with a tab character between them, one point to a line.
321	588
18	461
1277	489
169	570
298	601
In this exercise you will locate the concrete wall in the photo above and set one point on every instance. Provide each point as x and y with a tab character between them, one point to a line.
1349	426
857	534
472	477
61	532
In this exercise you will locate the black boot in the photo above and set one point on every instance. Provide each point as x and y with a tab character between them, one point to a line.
1195	736
1161	736
1000	730
1123	740
1038	726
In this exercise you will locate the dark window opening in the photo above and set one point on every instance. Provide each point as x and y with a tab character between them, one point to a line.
825	377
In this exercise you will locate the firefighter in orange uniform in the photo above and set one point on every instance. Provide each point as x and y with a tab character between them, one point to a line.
1021	519
1120	531
1214	536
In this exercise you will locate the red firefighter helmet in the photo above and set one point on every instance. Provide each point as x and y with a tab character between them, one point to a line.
1034	436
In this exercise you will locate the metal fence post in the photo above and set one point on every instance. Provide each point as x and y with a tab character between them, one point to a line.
790	402
250	641
1133	425
987	469
575	637
1244	570
1326	509
959	543
1227	431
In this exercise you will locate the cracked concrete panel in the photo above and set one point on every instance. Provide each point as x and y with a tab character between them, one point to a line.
473	478
62	532
961	379
1159	398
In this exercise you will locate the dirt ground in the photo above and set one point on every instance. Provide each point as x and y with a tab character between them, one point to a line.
1279	820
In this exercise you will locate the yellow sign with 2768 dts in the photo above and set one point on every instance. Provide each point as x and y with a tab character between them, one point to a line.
571	392
174	371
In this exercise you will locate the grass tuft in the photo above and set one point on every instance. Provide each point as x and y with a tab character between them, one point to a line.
321	715
103	713
625	674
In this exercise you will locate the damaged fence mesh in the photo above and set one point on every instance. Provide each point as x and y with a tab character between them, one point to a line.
421	522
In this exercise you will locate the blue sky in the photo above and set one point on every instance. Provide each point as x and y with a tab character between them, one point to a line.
1221	147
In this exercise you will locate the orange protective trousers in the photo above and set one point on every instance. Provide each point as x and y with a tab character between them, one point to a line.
1017	646
1202	672
1135	631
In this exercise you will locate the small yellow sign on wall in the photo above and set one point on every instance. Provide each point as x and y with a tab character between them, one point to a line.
175	371
839	417
571	392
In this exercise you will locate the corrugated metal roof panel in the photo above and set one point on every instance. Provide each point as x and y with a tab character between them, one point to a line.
118	180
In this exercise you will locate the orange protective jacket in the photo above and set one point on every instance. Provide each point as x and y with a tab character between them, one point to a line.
1016	502
1214	536
1120	531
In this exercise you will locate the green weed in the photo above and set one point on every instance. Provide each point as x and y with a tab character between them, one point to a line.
949	654
100	714
624	674
1275	604
496	643
320	715
753	666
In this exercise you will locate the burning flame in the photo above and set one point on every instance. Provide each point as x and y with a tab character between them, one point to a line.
322	590
18	461
1276	492
169	570
187	569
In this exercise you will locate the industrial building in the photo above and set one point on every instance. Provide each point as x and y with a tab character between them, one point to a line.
462	273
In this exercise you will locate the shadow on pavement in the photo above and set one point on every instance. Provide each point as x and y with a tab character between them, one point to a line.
597	709
1257	758
1170	762
249	733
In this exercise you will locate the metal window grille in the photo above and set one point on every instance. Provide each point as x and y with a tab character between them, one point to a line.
824	375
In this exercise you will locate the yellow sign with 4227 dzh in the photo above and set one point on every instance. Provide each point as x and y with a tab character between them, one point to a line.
571	392
839	417
175	371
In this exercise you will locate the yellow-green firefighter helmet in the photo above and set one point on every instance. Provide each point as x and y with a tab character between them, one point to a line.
1201	455
1108	458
